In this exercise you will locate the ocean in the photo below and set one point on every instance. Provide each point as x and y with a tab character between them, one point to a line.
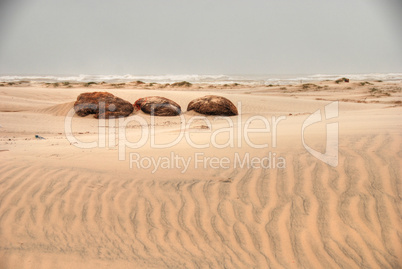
207	79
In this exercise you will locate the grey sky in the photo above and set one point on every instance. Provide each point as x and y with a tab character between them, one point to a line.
200	37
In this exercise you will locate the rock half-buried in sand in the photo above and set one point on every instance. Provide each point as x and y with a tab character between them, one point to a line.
161	106
102	104
213	105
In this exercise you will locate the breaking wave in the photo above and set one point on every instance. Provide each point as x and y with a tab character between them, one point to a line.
207	79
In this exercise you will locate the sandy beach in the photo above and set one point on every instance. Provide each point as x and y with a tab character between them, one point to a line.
201	191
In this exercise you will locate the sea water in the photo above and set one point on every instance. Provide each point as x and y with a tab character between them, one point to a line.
207	79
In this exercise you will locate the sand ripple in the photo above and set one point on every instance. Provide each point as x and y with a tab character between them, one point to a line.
306	216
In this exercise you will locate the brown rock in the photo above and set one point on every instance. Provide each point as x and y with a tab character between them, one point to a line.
110	105
161	106
341	80
213	105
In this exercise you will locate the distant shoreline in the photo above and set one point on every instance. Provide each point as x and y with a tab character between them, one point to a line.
249	80
357	91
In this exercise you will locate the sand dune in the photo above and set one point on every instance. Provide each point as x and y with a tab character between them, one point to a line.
57	110
61	206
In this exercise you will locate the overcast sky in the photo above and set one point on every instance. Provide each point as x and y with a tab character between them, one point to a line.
67	37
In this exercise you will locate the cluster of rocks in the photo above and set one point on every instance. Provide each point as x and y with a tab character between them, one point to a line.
106	105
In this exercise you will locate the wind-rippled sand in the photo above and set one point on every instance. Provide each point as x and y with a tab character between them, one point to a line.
61	206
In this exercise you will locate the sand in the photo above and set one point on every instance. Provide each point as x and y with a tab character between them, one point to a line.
62	206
